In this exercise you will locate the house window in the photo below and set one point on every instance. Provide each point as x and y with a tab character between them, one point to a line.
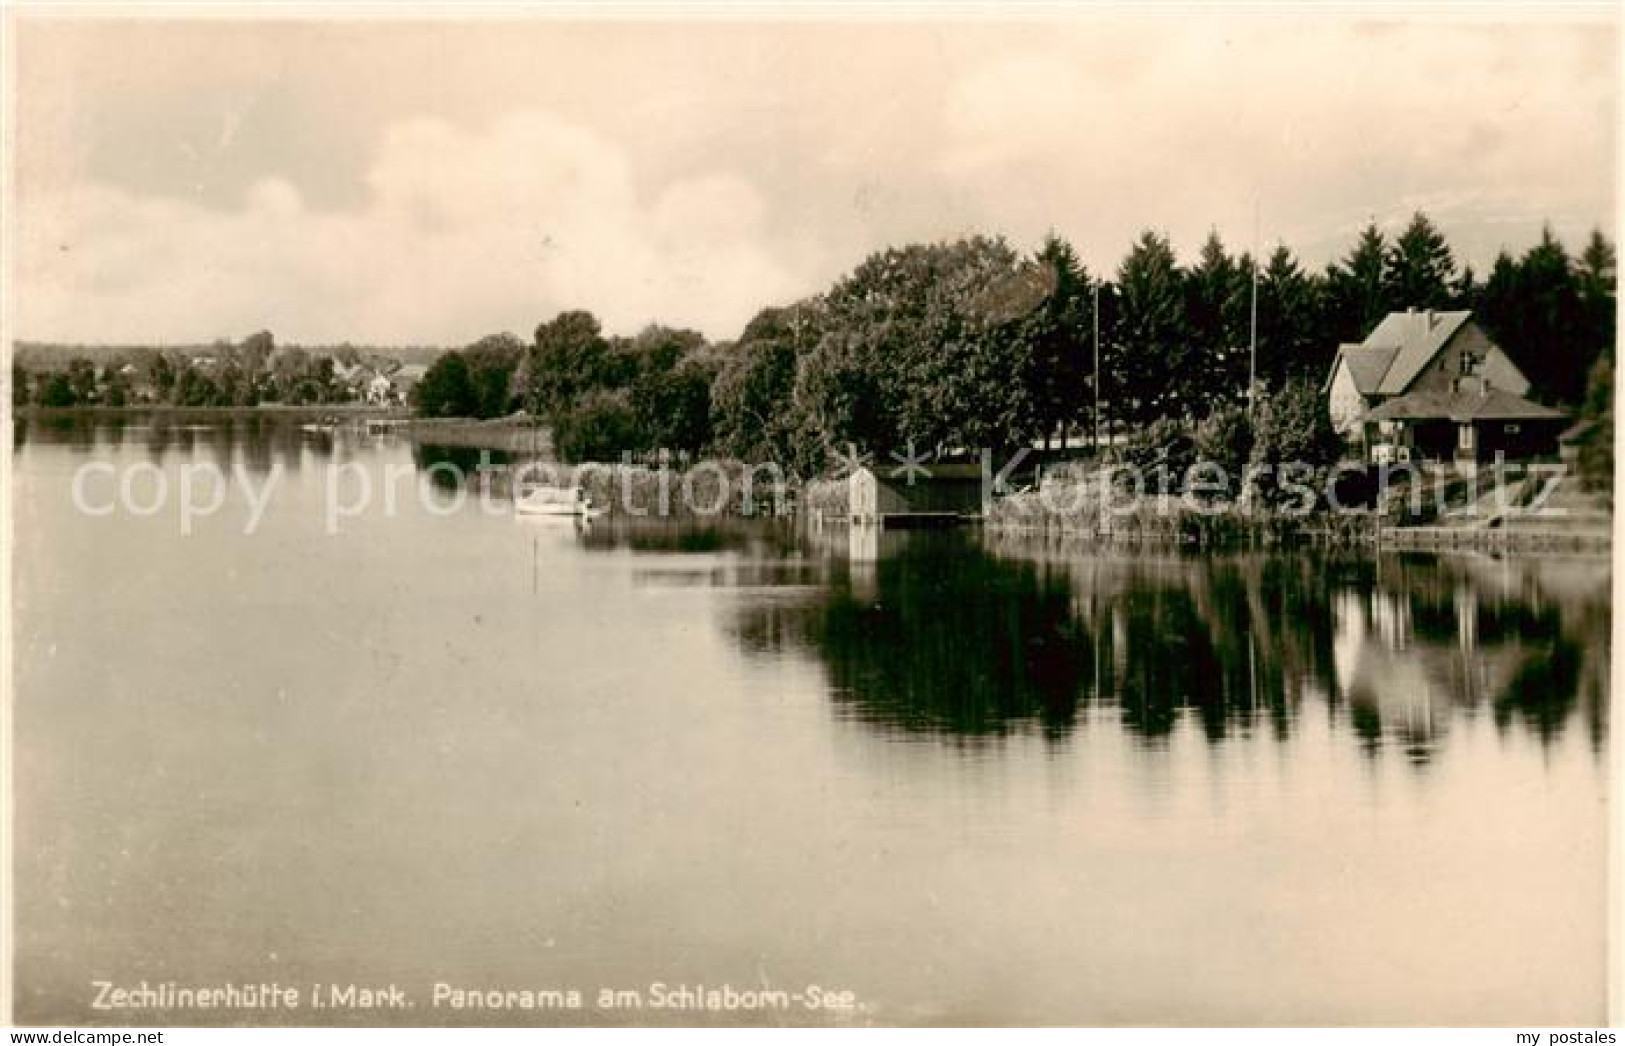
1464	439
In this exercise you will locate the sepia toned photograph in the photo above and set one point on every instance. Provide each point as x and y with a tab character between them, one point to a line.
809	516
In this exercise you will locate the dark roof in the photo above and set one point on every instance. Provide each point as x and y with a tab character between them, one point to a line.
1416	338
1488	405
925	472
1398	349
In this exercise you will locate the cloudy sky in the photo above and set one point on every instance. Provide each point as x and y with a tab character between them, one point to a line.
434	181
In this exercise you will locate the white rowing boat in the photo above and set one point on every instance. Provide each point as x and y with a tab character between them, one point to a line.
566	502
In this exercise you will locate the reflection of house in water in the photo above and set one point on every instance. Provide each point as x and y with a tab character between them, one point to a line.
868	545
961	634
1409	658
1379	671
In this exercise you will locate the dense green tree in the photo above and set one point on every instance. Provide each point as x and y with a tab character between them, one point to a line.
642	393
82	376
569	357
1225	437
1152	374
1356	295
1292	343
237	386
1056	338
673	407
321	379
1534	310
840	391
254	352
1498	299
55	390
195	389
656	350
1159	455
1420	267
1597	273
161	372
1466	291
753	413
1218	315
445	390
601	426
1292	427
493	364
289	368
115	388
19	383
920	346
1596	451
1105	390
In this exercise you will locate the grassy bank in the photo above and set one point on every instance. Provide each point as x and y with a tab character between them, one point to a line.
1168	520
517	436
708	489
1071	506
826	499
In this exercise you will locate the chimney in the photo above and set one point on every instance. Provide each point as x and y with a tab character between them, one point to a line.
1429	316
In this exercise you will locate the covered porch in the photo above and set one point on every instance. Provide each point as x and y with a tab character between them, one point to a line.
1467	429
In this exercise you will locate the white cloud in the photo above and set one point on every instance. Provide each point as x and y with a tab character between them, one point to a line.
465	231
482	177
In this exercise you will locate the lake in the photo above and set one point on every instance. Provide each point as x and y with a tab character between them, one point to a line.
902	778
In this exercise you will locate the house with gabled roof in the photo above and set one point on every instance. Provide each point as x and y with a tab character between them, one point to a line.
1432	386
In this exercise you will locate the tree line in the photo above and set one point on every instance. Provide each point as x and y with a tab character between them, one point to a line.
970	344
246	373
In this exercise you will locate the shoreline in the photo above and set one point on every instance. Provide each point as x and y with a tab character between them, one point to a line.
824	500
355	410
509	435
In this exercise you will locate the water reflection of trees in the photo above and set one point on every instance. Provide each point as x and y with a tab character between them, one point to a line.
944	640
954	635
253	441
1527	638
753	542
451	468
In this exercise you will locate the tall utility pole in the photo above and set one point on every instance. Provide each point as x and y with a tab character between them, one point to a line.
1252	332
1252	344
1096	415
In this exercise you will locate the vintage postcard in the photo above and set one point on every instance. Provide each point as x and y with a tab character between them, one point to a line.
1085	515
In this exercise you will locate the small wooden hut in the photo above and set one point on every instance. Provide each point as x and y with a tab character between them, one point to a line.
929	495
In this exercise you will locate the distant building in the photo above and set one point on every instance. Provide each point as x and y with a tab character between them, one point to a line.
1431	386
140	383
380	391
406	378
918	496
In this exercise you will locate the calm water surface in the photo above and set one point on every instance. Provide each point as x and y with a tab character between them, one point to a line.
967	778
